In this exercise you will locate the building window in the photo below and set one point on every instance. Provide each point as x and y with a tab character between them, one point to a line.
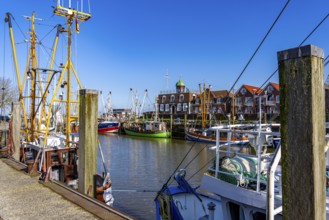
277	99
219	100
161	107
167	108
181	98
238	101
243	91
172	98
179	107
248	101
163	99
197	101
185	106
270	89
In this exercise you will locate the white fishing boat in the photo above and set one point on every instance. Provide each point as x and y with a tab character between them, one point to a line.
236	186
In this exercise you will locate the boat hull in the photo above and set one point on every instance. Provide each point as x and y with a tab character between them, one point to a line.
108	127
158	134
191	136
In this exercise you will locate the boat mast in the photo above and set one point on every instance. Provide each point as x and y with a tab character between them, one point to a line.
20	86
33	76
205	100
109	105
70	14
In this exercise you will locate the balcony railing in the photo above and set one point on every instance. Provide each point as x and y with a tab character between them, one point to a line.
269	103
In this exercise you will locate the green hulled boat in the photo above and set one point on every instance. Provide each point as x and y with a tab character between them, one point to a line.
153	129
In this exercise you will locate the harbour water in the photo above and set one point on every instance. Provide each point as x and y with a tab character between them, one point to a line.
140	166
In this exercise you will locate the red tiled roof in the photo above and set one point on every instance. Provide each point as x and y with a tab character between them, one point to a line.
221	94
275	85
251	89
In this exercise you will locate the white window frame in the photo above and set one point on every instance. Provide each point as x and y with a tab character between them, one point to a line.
172	98
181	98
179	107
277	99
185	107
238	101
167	107
161	107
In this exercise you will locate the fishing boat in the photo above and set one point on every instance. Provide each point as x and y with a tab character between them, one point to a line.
152	129
235	186
106	125
145	128
205	133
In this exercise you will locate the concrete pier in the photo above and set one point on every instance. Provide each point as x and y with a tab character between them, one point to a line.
24	197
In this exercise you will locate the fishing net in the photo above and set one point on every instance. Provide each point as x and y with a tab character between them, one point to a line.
243	168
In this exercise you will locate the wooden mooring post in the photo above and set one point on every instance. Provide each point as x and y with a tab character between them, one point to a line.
16	129
88	139
301	73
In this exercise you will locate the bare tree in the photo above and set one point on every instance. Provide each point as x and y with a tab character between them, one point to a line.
8	94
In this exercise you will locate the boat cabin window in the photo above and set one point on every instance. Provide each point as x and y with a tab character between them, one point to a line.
258	216
236	211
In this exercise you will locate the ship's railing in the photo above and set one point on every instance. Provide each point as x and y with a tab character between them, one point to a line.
259	136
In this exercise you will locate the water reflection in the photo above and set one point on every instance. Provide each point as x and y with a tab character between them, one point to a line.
140	166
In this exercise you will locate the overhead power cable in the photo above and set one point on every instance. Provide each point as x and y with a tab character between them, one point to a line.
308	36
261	43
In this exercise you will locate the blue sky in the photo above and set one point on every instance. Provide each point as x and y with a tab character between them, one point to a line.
133	43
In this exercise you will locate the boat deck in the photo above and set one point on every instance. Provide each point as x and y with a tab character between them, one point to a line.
23	197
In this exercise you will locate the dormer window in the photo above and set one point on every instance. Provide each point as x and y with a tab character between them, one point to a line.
270	89
181	98
163	99
243	91
172	98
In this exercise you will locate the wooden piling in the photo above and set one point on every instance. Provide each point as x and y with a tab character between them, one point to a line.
88	136
16	128
301	73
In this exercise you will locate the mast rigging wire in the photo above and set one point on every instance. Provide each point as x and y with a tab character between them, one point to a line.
206	145
325	64
20	29
165	185
201	168
309	35
48	33
251	58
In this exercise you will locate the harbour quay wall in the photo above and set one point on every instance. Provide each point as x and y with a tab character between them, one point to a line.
25	197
